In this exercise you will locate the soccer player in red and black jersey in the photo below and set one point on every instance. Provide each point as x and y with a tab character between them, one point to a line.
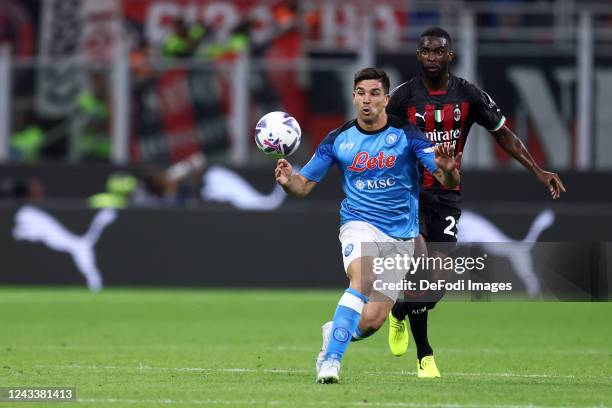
445	107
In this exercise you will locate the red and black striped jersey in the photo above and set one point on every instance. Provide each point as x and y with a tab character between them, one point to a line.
445	117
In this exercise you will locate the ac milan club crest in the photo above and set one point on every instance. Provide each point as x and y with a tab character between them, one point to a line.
457	114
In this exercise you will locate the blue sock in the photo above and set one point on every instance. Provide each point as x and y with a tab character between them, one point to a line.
346	319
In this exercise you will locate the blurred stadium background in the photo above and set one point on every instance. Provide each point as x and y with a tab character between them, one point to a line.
148	107
127	160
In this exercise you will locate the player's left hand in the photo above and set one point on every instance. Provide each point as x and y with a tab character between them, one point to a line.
553	182
445	157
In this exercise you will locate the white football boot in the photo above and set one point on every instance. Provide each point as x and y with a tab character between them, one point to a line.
329	372
325	332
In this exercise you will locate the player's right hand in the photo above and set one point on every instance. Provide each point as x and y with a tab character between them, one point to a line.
283	171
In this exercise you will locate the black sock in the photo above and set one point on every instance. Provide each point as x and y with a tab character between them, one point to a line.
400	310
418	326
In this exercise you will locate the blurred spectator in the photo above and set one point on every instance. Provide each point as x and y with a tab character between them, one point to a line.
236	43
90	136
505	23
140	63
186	183
505	20
183	40
119	189
15	191
28	139
176	186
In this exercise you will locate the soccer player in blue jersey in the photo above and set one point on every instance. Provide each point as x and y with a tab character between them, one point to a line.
378	155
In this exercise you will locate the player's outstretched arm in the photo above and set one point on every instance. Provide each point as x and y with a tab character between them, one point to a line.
448	171
293	184
515	148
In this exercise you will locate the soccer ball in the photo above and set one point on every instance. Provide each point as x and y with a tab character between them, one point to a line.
278	134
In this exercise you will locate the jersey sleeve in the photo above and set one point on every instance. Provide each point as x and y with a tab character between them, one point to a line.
320	163
487	113
423	149
394	107
396	103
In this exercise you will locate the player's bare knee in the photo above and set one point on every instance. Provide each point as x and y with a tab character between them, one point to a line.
360	275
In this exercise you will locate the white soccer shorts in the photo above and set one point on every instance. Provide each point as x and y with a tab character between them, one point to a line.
358	236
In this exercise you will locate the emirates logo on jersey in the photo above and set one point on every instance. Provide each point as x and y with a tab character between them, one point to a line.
438	136
363	161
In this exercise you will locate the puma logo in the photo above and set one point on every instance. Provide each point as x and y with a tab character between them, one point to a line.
476	228
225	186
420	116
35	225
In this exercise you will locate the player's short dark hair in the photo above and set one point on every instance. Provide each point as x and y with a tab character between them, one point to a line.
437	32
372	73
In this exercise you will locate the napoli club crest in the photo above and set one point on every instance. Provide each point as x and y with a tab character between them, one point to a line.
348	249
391	139
341	334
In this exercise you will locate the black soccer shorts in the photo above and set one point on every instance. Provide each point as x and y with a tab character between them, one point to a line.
438	216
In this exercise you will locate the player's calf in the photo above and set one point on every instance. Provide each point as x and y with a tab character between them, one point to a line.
373	316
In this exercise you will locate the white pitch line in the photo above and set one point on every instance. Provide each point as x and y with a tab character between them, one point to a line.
506	374
311	403
204	369
302	371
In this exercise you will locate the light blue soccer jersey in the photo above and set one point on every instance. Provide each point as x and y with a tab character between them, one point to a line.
380	173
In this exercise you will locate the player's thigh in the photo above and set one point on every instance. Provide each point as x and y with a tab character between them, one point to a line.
354	235
361	243
420	246
391	268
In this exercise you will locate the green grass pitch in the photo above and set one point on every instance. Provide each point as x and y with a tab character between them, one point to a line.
251	348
